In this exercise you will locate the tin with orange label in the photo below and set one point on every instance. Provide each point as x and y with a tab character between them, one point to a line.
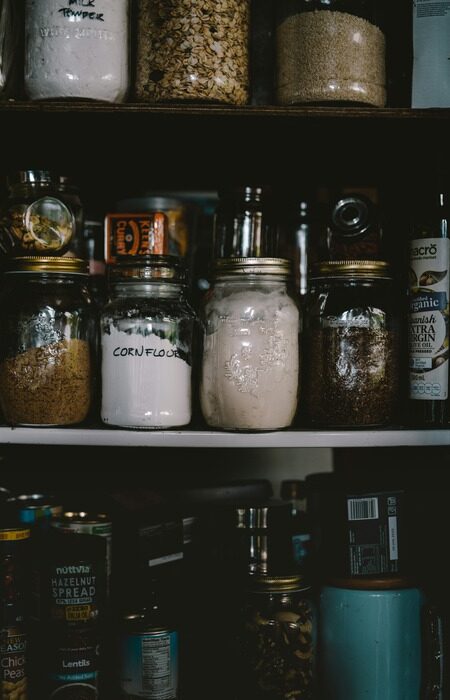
135	234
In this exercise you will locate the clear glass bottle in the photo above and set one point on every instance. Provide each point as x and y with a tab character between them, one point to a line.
330	51
352	345
193	51
146	339
428	318
35	220
79	50
251	359
47	337
277	643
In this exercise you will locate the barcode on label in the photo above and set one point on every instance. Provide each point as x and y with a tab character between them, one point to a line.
362	508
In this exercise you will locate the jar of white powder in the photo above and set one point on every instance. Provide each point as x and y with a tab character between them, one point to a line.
77	49
146	343
250	367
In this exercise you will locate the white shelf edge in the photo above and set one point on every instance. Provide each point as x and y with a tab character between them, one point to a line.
97	437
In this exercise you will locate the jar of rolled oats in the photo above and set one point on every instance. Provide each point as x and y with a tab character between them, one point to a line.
193	50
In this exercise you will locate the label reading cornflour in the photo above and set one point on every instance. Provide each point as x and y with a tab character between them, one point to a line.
145	381
428	319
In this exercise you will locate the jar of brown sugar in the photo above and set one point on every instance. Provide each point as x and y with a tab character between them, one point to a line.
47	335
351	345
330	51
193	50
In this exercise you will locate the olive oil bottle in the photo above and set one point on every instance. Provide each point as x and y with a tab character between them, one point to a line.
428	327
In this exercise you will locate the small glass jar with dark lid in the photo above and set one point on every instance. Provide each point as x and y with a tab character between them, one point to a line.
47	342
277	643
35	219
146	332
330	52
351	345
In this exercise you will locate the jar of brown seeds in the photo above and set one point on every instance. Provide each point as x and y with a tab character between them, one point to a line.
193	50
330	51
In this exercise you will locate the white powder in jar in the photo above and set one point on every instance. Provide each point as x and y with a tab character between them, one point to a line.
77	49
251	360
145	381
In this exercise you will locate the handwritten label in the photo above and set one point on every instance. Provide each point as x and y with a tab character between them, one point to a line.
148	352
82	14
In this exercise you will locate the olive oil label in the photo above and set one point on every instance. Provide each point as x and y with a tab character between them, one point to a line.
428	319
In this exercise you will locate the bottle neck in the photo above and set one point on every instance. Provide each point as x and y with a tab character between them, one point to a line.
141	288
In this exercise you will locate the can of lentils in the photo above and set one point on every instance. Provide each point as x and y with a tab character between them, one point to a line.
35	508
148	659
84	523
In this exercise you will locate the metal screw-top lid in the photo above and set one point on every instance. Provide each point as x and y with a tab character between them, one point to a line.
253	266
73	266
293	582
31	177
359	269
273	515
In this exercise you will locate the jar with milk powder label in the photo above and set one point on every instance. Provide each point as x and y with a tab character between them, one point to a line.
250	367
146	344
77	49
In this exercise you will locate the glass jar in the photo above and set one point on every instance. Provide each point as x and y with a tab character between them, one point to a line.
250	365
11	35
69	192
330	51
47	342
35	220
77	51
196	51
278	641
146	338
351	345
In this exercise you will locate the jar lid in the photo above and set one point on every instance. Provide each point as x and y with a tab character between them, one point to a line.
253	266
148	267
32	177
292	582
373	584
69	265
352	268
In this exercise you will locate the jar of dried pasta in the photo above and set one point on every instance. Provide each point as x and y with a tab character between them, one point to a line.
193	50
47	342
330	52
277	641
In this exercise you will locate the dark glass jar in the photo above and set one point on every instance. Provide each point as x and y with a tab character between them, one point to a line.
146	338
35	219
351	345
330	51
47	342
277	643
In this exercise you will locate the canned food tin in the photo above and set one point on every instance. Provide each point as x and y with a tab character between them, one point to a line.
84	523
35	507
148	660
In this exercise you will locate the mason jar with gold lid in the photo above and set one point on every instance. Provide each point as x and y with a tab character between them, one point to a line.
352	344
47	337
278	642
251	359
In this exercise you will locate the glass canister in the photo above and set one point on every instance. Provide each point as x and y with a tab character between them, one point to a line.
195	50
146	339
330	51
46	342
77	50
35	219
277	644
251	359
351	345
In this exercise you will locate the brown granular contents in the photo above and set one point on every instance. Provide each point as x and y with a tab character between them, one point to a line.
48	385
352	377
328	56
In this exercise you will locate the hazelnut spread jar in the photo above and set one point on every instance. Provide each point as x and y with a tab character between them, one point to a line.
250	365
351	345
